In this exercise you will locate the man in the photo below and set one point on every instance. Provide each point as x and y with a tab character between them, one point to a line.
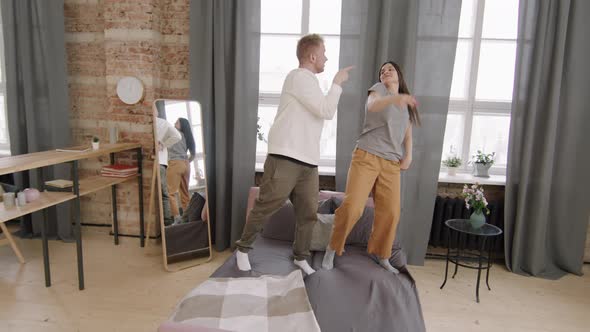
167	135
291	170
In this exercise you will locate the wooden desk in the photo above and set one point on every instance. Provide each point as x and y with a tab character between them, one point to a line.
81	187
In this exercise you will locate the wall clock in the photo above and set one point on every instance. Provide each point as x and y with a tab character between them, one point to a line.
130	90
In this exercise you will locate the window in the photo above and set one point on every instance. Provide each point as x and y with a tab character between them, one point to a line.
4	139
483	77
278	43
192	112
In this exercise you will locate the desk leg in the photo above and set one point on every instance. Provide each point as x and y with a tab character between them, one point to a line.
448	256
77	227
44	233
114	200
481	251
140	189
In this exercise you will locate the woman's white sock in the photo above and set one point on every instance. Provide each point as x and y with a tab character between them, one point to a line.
328	262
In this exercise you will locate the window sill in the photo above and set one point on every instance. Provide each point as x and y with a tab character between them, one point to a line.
468	178
322	170
443	177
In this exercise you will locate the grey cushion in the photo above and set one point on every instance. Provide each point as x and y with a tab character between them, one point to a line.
322	232
281	225
361	232
194	208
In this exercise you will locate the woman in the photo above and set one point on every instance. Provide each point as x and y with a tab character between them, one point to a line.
383	149
178	173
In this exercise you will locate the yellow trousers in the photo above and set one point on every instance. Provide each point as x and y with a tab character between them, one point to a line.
370	173
174	174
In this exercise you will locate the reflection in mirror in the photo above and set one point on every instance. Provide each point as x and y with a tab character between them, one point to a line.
186	234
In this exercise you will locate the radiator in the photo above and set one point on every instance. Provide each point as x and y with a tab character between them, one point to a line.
446	208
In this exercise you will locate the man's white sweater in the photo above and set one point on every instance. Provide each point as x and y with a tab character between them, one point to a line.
298	125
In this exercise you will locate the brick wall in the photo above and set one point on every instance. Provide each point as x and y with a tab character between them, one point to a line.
109	39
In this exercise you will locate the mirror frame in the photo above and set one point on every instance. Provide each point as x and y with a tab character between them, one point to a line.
177	266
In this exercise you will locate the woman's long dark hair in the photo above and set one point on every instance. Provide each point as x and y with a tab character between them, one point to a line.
185	128
403	88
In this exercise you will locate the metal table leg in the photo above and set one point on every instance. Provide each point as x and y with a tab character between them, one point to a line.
481	251
492	245
78	227
458	254
114	202
44	232
140	189
448	256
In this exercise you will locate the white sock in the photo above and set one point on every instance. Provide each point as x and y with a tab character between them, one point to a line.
386	265
304	266
328	262
243	261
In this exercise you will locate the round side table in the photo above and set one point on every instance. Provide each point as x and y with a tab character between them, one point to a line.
470	261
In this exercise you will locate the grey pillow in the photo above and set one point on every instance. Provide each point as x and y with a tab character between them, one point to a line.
281	225
322	232
361	232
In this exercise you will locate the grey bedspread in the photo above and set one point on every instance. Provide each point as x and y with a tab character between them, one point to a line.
357	295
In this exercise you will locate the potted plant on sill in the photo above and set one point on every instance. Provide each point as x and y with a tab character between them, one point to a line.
482	163
476	200
452	163
95	143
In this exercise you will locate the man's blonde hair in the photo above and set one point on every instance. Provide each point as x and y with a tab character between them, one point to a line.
307	44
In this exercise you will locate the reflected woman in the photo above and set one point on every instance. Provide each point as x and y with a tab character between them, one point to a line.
383	149
180	155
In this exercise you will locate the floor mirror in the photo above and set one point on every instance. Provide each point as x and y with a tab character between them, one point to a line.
181	185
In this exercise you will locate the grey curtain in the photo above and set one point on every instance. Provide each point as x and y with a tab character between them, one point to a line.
224	61
37	93
421	36
546	211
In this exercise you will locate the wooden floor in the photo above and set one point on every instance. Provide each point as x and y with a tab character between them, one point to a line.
128	290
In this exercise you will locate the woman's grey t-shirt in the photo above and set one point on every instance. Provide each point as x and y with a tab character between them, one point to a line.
384	131
178	150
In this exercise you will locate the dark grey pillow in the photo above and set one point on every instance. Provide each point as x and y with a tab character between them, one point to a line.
361	232
322	232
326	206
194	208
281	225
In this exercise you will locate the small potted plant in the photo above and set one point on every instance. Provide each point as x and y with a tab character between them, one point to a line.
95	143
452	163
482	163
476	200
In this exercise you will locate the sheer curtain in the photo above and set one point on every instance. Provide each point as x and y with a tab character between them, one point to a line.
421	36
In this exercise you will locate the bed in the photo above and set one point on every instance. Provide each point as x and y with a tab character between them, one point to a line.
357	295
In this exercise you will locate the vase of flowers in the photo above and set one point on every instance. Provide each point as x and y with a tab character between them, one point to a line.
482	163
475	199
452	163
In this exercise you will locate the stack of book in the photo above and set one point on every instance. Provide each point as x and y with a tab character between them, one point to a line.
59	185
118	171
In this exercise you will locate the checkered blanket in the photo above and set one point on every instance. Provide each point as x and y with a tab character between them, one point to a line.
267	303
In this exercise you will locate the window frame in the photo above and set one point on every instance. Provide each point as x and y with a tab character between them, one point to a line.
470	107
272	99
